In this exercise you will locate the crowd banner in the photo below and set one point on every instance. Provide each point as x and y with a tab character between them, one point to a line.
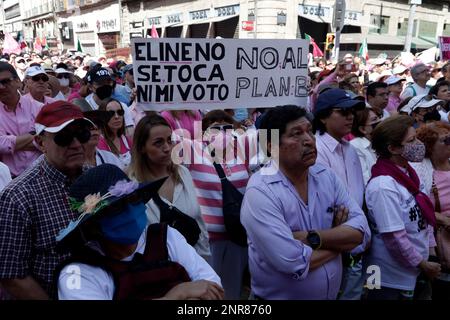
444	46
178	74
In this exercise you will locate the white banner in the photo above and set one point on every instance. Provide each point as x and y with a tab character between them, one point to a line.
178	74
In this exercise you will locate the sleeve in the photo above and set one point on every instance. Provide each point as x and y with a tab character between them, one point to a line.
356	218
15	235
268	231
399	246
180	251
7	143
79	281
129	122
431	239
382	199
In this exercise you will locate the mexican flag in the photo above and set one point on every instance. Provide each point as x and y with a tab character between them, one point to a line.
316	50
364	50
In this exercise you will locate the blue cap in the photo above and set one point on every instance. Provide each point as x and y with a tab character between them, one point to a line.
337	98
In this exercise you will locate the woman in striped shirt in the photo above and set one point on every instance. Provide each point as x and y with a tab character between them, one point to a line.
228	259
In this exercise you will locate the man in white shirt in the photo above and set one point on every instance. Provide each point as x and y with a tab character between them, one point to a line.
420	74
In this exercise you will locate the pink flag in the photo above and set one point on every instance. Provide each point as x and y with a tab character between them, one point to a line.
154	33
10	45
316	50
37	45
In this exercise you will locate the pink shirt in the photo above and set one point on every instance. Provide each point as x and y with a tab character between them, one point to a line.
124	147
47	100
186	122
13	124
343	160
442	181
393	103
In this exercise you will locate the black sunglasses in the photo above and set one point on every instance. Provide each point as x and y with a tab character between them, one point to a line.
119	112
65	137
5	82
40	77
63	76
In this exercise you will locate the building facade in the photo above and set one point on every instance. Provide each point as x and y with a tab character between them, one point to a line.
100	26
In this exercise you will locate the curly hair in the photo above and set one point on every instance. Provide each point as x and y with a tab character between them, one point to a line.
429	134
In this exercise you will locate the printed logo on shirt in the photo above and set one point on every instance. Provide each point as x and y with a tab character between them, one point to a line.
415	214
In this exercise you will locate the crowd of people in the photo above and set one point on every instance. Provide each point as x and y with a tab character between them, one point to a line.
100	199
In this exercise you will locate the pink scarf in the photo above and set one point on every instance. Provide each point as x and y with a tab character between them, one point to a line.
385	167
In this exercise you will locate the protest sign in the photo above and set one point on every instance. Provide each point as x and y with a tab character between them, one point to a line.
444	46
174	74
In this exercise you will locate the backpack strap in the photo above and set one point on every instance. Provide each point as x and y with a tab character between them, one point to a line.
156	244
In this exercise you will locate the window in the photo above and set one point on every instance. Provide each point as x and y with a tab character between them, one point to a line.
383	25
427	29
403	28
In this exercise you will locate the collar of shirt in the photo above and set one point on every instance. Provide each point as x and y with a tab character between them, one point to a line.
19	105
52	173
330	142
279	176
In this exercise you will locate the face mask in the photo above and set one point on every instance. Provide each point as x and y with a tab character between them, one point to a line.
414	152
240	114
64	82
432	116
104	92
21	66
126	227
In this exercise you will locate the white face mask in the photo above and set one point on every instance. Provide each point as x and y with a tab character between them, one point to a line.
64	82
21	66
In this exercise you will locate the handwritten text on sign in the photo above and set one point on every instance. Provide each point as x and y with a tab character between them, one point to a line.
219	73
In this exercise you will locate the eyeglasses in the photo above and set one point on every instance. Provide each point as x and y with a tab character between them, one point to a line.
40	77
344	112
63	76
21	61
221	127
119	113
6	81
65	137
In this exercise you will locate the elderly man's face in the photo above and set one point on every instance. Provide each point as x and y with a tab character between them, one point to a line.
423	74
38	85
67	158
297	145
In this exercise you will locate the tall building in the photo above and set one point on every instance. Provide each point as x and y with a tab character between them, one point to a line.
11	18
39	22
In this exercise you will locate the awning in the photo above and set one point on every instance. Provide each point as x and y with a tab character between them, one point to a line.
384	39
40	17
316	19
209	20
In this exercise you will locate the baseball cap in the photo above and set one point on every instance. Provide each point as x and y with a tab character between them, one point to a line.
393	80
62	70
337	98
127	68
34	71
98	75
55	116
399	69
421	101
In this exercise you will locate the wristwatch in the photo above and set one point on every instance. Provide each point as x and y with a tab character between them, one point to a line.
314	240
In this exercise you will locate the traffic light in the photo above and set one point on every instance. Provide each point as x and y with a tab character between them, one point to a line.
329	44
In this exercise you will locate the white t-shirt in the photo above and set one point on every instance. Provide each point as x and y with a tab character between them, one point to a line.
97	284
128	118
393	208
5	176
413	90
185	199
103	156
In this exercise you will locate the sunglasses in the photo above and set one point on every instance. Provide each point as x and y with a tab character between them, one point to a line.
21	61
5	82
65	137
63	76
119	113
221	127
40	77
